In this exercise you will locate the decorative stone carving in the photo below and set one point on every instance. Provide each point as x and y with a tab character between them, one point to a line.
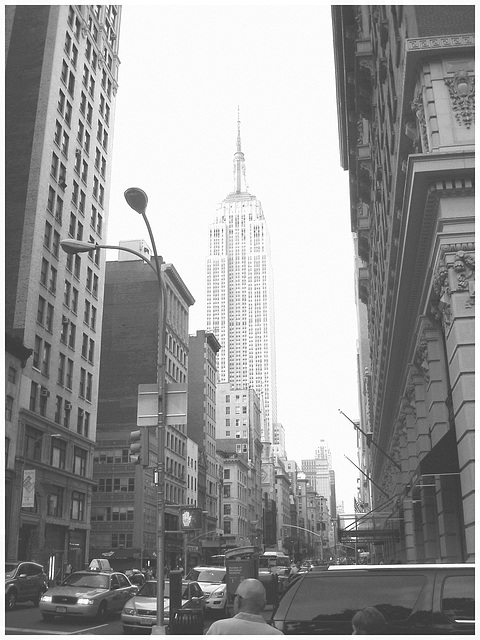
464	267
419	110
442	310
421	359
462	94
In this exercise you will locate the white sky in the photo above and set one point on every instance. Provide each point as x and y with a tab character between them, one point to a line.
184	70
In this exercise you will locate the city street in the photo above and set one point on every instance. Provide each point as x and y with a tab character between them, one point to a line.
26	619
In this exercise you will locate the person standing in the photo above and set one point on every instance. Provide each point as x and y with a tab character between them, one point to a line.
249	602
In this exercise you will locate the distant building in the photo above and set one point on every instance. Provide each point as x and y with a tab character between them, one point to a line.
61	71
124	502
278	441
319	472
202	417
192	473
406	117
239	437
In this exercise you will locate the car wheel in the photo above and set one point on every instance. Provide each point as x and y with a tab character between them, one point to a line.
48	616
10	600
102	611
36	599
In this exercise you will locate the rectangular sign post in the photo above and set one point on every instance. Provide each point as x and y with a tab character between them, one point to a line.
28	488
147	406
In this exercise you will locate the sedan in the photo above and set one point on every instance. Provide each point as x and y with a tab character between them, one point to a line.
140	612
88	594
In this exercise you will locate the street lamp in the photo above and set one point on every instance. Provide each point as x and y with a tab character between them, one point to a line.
137	199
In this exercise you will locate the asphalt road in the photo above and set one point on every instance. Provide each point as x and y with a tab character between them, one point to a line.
26	619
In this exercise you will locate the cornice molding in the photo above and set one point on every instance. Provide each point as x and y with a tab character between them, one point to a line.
440	42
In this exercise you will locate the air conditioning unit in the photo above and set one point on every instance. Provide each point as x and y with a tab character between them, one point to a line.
68	406
78	152
44	392
65	320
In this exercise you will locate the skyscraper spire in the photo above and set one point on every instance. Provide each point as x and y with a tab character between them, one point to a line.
239	163
239	144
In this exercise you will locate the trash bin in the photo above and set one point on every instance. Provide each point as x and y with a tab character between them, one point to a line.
187	622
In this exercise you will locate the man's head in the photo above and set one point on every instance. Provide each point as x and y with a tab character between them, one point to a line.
368	621
250	597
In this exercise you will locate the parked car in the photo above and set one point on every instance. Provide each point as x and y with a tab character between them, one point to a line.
24	582
140	612
89	593
414	599
213	582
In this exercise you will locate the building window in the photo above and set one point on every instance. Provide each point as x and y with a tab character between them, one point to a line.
33	396
58	453
12	374
227	527
58	409
8	408
55	502
227	491
37	347
79	461
122	540
226	474
227	509
78	506
33	443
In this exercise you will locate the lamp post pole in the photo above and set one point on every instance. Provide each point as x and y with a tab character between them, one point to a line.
137	199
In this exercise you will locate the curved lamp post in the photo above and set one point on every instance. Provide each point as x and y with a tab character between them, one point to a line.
137	199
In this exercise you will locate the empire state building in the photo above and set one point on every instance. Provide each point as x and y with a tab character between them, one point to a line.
240	300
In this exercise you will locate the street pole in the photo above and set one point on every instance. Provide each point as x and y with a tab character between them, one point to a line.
137	199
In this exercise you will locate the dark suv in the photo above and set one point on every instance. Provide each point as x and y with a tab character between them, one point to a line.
24	582
414	599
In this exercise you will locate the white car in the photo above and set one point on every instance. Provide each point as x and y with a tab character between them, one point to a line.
140	612
213	582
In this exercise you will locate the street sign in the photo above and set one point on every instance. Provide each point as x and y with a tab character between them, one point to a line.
147	405
176	403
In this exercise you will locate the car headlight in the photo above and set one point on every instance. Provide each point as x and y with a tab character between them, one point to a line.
45	598
129	611
85	601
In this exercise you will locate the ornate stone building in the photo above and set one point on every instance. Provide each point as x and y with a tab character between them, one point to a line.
406	96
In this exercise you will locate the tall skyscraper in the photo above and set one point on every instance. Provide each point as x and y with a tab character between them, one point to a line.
240	302
60	89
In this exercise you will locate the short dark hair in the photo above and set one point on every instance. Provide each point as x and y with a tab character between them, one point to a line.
369	620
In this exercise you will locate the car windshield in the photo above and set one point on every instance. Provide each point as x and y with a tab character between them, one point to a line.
86	580
149	590
10	570
208	575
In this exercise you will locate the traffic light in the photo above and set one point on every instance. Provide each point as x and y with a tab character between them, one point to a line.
190	518
139	452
